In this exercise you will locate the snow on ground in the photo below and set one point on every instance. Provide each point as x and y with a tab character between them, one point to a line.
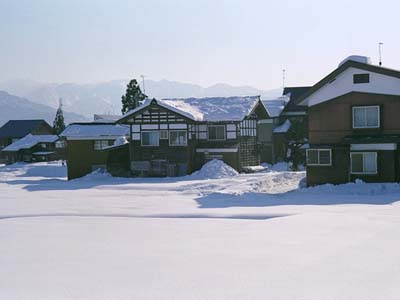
249	236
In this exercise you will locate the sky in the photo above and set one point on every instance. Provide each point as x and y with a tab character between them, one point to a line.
204	42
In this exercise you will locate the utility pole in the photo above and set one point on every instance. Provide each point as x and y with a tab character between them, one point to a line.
144	88
380	53
283	78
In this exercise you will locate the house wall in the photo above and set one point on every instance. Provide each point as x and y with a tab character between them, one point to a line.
81	157
331	121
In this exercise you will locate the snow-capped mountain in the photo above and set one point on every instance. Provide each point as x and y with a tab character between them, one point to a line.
13	107
105	97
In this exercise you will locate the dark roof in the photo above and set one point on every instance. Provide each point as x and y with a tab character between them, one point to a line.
295	94
19	128
342	68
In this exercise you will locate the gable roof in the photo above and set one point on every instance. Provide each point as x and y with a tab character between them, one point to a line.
29	141
204	109
343	67
19	128
275	107
82	130
294	94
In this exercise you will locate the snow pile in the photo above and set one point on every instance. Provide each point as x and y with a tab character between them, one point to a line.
215	169
283	128
120	141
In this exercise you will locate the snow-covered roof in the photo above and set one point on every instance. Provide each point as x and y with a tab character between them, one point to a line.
106	118
207	109
283	128
94	130
29	141
275	107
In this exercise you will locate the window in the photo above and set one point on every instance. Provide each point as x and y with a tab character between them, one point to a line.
361	78
177	138
363	162
216	132
60	144
366	117
319	157
150	138
101	144
164	135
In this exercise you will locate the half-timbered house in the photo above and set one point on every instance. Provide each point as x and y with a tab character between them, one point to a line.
177	136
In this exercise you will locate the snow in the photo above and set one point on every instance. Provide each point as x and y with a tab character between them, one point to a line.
275	107
94	130
43	153
207	109
29	141
283	128
215	169
118	142
249	236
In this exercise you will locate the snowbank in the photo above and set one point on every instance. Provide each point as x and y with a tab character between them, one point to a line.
215	169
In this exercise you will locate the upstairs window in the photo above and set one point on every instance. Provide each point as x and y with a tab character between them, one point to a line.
163	134
319	157
150	138
361	78
177	138
364	163
366	117
216	132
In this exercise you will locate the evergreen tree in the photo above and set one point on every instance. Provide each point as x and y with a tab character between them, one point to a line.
58	124
296	139
133	96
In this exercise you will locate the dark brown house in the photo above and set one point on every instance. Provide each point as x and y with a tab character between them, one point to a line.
14	130
176	137
32	148
86	143
354	125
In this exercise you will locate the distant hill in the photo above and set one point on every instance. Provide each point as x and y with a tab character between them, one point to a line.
13	107
105	97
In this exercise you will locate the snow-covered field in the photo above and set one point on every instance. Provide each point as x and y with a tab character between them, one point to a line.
254	236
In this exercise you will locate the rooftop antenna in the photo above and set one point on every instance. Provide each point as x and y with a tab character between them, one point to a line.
283	78
144	88
380	53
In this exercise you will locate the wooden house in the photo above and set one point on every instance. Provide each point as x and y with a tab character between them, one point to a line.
354	124
86	143
175	137
32	148
14	130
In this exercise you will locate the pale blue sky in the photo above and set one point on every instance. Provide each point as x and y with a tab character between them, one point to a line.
203	42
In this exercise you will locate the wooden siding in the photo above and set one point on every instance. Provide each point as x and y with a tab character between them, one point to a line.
81	157
331	121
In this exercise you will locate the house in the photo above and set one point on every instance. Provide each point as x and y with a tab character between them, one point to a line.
86	143
174	137
354	124
17	129
32	148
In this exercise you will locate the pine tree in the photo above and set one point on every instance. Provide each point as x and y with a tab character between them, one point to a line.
296	139
133	96
58	124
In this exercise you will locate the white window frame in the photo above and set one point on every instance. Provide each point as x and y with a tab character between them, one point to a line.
150	131
208	132
363	154
178	145
319	164
164	137
365	107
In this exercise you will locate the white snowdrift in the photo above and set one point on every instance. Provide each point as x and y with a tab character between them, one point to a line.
215	169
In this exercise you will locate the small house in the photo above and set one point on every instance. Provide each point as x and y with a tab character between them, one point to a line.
32	148
86	143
